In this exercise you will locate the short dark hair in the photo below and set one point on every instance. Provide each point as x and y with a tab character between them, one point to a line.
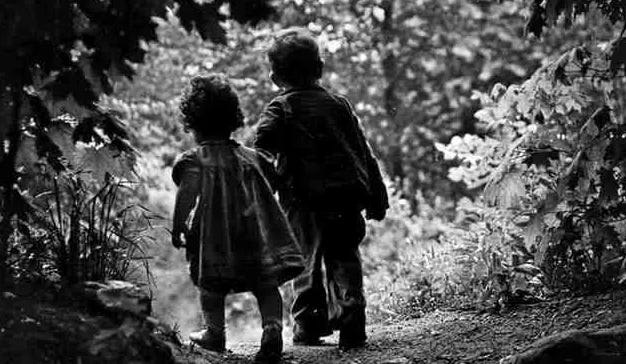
210	106
295	57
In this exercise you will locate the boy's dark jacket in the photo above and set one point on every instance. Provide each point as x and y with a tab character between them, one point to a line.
323	158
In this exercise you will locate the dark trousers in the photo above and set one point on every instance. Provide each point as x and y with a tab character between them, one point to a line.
331	287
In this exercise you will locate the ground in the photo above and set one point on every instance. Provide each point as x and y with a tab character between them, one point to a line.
59	328
448	336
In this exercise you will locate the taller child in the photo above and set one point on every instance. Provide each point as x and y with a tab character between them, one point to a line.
327	176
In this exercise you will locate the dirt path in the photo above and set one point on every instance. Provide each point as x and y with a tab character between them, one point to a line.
448	336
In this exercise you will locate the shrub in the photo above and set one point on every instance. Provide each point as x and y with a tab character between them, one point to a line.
80	233
552	165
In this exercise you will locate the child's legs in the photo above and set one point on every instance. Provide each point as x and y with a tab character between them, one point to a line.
309	307
344	271
271	307
270	304
212	304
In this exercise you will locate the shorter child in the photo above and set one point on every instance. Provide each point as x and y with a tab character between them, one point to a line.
236	236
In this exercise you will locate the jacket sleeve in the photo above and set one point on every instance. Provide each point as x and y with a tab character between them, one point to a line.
379	201
186	175
270	133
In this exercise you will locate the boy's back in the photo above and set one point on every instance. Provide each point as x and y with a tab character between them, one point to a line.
323	158
326	176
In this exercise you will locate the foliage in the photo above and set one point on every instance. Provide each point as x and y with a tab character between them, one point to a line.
60	56
554	167
549	156
77	232
411	69
408	270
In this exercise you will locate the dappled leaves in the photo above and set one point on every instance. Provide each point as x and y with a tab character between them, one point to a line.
58	58
544	14
560	171
62	54
618	55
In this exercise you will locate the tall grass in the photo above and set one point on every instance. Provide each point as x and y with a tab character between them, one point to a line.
83	230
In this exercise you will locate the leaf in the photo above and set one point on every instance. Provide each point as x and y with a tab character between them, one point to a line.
533	231
616	151
551	220
559	75
97	127
46	148
506	193
605	236
103	161
608	186
537	19
250	11
554	8
541	157
589	132
204	18
602	117
72	82
618	55
597	150
96	75
528	268
39	110
485	115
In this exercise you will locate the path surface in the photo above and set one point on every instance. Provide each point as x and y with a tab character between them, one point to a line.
447	336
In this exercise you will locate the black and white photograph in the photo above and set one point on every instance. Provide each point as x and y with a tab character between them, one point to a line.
313	181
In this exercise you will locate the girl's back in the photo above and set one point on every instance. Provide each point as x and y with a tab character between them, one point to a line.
238	235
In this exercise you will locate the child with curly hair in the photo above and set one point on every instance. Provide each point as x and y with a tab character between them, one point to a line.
327	175
236	236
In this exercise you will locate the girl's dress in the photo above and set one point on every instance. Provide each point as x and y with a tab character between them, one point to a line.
238	236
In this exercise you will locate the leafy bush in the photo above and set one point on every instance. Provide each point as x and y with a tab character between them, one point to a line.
552	166
77	220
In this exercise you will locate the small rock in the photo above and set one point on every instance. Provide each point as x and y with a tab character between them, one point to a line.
118	296
8	296
130	342
400	360
606	346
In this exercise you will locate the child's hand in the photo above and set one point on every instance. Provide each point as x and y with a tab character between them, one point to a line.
375	214
178	240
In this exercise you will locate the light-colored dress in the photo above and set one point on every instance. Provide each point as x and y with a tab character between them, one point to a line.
237	234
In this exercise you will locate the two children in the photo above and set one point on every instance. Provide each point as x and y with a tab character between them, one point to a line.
238	237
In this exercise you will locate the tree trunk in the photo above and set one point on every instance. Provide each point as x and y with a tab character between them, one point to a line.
10	104
391	101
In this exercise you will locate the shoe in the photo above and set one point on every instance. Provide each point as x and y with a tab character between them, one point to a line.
209	341
271	345
304	335
352	333
307	340
349	341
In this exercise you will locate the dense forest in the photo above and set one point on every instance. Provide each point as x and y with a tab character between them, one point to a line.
500	127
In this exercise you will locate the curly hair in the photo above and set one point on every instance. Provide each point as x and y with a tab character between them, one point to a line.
295	57
210	106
